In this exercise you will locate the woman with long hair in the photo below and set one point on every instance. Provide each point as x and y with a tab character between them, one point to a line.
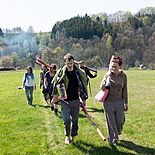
42	74
49	75
28	80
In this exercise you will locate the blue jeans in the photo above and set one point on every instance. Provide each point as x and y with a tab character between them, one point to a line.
29	94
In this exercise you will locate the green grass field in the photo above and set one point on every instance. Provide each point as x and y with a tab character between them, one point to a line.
36	130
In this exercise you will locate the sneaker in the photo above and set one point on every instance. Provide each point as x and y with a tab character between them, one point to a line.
28	102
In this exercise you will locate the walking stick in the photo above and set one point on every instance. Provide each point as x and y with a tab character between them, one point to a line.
96	127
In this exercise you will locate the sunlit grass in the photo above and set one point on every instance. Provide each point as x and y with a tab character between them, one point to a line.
35	129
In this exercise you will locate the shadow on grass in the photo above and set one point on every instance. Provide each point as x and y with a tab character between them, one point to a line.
33	105
48	106
44	106
95	110
87	148
82	115
88	109
137	148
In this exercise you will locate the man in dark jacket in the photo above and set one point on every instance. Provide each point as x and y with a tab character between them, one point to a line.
87	71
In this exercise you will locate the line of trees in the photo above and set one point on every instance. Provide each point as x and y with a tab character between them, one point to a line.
90	38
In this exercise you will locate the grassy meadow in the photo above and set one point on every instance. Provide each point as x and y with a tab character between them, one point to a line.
36	130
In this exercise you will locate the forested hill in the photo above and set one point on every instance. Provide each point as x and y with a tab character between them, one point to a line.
91	38
100	24
78	27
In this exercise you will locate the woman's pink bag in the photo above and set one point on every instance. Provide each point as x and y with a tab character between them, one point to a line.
101	95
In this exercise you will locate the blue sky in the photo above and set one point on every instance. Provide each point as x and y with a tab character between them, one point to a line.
43	14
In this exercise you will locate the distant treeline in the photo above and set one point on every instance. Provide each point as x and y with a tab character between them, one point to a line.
101	24
90	38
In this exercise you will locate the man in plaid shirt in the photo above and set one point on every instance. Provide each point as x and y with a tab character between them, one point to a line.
74	80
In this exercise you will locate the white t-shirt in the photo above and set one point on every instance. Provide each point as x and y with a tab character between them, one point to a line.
29	80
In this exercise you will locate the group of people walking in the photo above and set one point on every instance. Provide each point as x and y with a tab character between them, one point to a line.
75	79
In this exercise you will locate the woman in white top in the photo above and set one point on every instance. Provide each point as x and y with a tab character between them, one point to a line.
28	80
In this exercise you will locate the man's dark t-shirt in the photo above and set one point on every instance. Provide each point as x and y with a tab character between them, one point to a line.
72	91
